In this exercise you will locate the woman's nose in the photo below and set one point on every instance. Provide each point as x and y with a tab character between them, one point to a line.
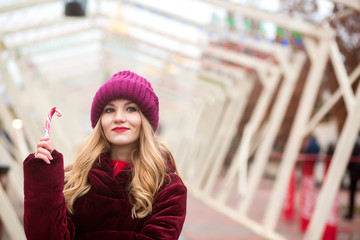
119	115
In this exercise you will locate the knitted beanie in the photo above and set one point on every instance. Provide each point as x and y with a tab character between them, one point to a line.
127	85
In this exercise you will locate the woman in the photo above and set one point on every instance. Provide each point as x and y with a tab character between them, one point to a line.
123	183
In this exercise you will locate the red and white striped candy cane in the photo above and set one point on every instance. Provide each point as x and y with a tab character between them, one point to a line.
48	120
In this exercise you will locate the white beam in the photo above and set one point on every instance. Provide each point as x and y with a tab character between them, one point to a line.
274	123
227	130
9	218
342	77
335	173
355	4
75	29
221	53
24	4
293	145
49	23
277	18
330	103
239	162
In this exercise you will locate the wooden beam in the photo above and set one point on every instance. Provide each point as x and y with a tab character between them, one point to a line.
330	103
336	171
238	99
243	150
279	19
69	33
9	218
354	4
274	123
293	145
24	4
219	52
342	77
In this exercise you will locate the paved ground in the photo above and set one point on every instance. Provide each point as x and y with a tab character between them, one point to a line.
205	223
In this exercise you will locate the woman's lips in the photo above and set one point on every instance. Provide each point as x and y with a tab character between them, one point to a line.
120	129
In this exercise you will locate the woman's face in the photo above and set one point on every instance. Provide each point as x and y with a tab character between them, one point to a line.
121	123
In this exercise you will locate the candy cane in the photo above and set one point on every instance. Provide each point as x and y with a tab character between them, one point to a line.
48	120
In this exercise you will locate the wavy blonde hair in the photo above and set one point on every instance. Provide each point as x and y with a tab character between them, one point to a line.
149	162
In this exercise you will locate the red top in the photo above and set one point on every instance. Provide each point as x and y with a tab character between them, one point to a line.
118	165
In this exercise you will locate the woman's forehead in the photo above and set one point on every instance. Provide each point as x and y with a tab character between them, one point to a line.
120	101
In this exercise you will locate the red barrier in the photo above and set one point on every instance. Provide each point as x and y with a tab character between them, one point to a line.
289	203
307	194
331	224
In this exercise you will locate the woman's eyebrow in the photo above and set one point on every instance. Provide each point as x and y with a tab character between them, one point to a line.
129	103
109	104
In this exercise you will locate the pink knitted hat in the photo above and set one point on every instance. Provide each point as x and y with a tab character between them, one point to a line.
127	85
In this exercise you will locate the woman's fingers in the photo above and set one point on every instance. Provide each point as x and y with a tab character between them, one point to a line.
43	157
44	139
45	143
44	150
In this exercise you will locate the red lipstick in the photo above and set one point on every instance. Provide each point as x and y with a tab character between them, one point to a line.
120	129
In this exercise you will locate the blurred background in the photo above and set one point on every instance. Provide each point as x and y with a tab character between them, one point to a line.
258	102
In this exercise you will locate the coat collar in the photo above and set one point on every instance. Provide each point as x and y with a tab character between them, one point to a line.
102	178
104	163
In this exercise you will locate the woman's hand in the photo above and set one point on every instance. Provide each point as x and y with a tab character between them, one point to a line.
44	150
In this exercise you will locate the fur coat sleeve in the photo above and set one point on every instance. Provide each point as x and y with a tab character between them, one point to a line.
44	204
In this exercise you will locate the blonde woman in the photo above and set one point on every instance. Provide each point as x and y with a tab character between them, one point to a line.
123	184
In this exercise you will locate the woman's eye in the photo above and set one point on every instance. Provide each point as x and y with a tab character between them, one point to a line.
108	110
131	109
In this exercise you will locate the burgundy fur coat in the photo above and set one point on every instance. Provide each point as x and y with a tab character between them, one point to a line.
104	212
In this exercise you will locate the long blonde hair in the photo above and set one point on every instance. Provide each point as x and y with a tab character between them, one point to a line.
149	162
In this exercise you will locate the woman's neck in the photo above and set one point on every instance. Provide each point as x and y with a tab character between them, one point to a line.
120	153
